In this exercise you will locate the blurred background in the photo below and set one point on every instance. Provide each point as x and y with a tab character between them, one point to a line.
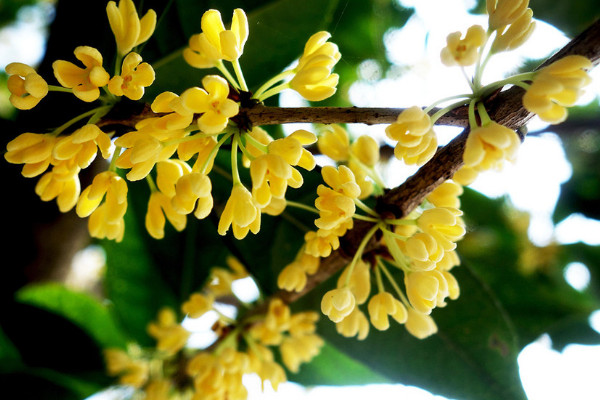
530	270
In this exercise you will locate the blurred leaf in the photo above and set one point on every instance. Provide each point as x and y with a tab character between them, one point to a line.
133	281
9	9
333	367
527	280
474	344
47	384
81	309
10	358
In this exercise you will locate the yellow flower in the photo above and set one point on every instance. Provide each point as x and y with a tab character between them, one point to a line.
296	350
516	34
313	78
82	145
426	290
420	325
241	213
413	131
107	219
61	183
292	278
446	195
423	250
504	12
159	205
32	149
366	150
215	43
444	224
359	281
84	81
557	86
174	115
131	372
171	336
381	306
26	87
212	103
335	143
488	146
338	303
157	390
463	51
128	28
354	324
320	243
197	305
135	76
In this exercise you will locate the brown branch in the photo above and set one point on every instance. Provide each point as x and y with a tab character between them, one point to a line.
506	108
263	115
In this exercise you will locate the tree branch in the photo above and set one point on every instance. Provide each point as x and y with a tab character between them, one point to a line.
505	108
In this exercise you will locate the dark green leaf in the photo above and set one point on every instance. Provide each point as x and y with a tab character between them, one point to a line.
80	308
10	358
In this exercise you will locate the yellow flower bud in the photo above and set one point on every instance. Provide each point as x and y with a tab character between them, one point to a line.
355	324
444	224
413	131
504	12
557	86
292	278
381	306
335	143
426	290
446	195
170	336
420	325
359	281
197	305
488	146
314	80
241	213
366	150
128	28
516	34
32	149
338	303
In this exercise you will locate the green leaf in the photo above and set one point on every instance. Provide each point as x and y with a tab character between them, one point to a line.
334	367
475	344
10	358
80	308
133	281
48	384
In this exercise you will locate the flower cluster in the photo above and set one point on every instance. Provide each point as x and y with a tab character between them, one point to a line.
174	146
244	346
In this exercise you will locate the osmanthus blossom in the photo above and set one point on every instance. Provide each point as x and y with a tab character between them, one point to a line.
135	76
26	87
504	12
313	78
128	28
32	149
241	213
212	103
215	43
416	140
556	87
463	51
85	82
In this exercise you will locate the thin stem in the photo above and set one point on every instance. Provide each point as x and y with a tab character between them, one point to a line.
392	281
273	91
72	121
366	208
167	59
359	251
368	170
151	183
214	151
483	115
301	206
245	151
379	280
464	72
272	81
479	66
113	161
445	99
511	80
400	221
365	218
221	67
260	146
240	75
54	88
472	119
450	107
235	173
